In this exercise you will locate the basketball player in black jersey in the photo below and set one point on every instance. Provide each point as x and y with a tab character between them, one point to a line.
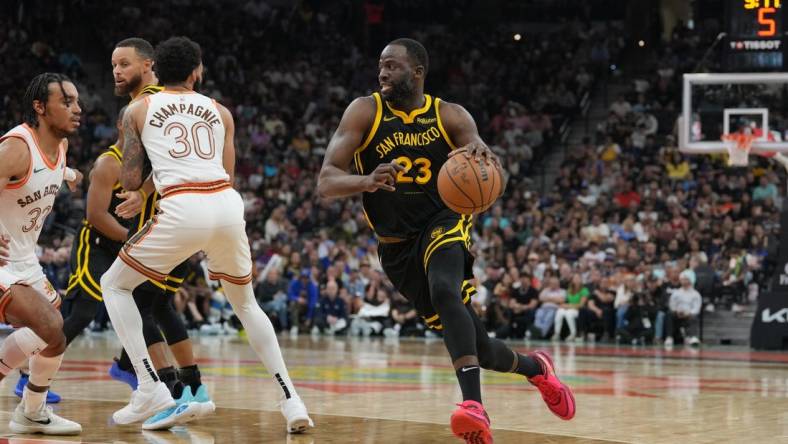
396	141
100	239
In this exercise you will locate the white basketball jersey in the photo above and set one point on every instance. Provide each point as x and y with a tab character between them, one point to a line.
183	136
25	204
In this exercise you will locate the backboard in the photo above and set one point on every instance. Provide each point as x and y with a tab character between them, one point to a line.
714	104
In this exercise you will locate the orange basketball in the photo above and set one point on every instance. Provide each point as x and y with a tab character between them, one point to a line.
469	186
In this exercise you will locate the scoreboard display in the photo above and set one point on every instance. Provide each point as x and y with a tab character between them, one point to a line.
754	35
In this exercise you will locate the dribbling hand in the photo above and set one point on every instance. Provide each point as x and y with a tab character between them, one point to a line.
477	151
383	178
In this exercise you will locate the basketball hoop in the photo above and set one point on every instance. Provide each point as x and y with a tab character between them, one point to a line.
739	146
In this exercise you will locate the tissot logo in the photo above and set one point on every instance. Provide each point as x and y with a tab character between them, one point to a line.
779	316
755	45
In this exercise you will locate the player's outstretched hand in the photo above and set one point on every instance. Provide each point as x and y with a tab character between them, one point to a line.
478	151
3	250
383	178
131	205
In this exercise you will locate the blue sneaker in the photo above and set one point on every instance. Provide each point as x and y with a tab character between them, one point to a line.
184	411
52	397
202	398
118	374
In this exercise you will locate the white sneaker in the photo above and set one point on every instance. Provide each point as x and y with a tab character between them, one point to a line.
43	421
294	411
669	341
228	329
145	404
693	341
210	329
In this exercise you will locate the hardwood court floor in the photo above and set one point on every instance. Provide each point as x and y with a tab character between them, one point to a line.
376	391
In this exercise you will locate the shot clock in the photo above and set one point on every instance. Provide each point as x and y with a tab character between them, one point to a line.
754	35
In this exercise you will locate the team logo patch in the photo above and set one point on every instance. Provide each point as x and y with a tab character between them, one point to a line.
436	232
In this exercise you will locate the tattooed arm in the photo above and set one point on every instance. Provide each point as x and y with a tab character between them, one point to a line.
134	156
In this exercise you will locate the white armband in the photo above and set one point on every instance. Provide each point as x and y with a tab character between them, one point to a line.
70	175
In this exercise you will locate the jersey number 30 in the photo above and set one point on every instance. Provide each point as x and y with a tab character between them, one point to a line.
423	174
187	144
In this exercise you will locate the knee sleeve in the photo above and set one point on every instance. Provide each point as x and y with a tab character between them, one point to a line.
168	320
17	347
144	297
445	276
150	330
29	342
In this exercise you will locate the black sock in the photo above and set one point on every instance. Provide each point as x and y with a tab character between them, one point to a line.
470	385
527	366
124	362
190	375
169	376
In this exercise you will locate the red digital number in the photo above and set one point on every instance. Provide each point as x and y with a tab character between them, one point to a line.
767	21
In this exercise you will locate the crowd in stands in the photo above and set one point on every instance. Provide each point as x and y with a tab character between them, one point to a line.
631	243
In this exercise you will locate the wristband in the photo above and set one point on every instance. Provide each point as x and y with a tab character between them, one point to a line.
70	175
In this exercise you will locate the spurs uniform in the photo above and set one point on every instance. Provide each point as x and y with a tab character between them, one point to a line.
183	136
24	205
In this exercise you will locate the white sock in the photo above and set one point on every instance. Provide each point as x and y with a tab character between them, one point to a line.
117	284
33	400
42	370
261	334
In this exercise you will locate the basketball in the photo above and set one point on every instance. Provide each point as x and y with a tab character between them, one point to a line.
469	186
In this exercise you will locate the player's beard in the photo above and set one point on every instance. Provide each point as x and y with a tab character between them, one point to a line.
131	85
400	91
197	85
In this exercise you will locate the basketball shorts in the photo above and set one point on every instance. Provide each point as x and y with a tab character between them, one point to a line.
205	217
25	273
92	255
405	263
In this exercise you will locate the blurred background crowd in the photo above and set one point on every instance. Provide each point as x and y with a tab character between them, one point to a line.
630	240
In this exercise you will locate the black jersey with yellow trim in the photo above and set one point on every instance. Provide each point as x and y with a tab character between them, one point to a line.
89	238
94	236
417	141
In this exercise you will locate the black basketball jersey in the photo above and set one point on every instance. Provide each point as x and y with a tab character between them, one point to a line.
419	143
148	207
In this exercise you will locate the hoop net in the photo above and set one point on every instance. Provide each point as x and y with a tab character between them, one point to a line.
739	146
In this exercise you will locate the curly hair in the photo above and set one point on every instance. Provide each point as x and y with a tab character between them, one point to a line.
175	59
